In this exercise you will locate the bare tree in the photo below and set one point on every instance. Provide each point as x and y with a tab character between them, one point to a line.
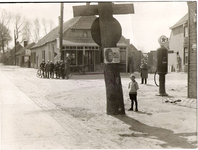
5	18
4	36
19	25
35	33
26	31
48	25
44	23
51	25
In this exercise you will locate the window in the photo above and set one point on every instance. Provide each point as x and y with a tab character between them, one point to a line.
185	31
185	56
43	55
122	56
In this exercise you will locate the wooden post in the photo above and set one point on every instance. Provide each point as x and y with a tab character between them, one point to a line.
114	94
107	35
61	31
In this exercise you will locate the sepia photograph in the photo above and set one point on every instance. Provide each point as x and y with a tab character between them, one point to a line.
98	75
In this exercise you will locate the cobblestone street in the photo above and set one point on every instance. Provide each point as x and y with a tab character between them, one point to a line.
62	114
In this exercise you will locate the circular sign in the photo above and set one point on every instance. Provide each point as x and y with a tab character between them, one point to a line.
115	30
162	40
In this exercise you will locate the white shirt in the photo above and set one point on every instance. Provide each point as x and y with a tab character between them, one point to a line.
133	87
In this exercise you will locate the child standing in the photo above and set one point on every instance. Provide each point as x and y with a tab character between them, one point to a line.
133	87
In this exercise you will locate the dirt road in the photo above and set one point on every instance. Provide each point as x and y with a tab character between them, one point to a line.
63	114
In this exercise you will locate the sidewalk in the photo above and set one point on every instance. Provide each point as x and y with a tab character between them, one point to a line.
24	124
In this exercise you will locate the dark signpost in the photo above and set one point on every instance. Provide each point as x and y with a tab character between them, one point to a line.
106	32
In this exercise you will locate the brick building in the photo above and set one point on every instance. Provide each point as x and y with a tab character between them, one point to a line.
192	49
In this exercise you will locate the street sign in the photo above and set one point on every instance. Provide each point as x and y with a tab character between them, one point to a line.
92	10
111	55
28	52
115	30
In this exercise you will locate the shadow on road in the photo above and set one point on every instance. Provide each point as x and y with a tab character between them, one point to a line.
169	137
141	112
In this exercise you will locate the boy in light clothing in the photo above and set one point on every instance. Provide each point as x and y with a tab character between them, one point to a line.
133	87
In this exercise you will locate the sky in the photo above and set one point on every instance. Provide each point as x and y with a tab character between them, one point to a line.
143	28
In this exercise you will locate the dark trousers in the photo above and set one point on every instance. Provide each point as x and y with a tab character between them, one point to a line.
144	79
51	74
133	98
57	74
47	74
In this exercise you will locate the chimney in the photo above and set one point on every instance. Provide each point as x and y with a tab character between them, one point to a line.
25	43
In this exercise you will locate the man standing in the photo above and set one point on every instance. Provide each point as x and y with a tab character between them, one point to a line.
57	72
67	66
47	68
62	69
144	71
42	67
51	70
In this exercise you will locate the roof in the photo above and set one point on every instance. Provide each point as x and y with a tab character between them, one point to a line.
23	49
84	22
70	43
81	22
180	22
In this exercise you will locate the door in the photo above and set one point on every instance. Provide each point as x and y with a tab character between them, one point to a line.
89	60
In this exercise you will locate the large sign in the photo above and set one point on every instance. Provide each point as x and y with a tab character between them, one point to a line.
111	55
26	58
115	31
28	52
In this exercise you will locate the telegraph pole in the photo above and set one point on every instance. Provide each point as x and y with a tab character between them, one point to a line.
61	30
14	48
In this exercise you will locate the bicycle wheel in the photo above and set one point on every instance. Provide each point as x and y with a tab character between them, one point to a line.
69	74
38	74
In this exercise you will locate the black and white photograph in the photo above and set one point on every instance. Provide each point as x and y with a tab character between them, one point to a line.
98	75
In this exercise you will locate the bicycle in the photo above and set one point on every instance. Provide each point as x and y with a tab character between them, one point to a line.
39	73
78	69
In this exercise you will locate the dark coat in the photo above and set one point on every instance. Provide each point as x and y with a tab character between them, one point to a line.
51	66
144	70
47	67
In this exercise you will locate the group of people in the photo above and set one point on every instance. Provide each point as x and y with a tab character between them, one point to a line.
57	70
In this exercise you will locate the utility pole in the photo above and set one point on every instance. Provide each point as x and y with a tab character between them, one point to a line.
14	47
61	30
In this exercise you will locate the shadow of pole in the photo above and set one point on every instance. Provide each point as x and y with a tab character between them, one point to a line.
168	136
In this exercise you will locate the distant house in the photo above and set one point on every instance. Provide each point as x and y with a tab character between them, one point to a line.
134	59
10	55
178	44
78	42
23	55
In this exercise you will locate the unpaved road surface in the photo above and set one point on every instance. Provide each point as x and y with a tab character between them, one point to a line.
63	114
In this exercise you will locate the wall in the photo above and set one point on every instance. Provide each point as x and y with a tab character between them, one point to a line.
192	62
176	43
